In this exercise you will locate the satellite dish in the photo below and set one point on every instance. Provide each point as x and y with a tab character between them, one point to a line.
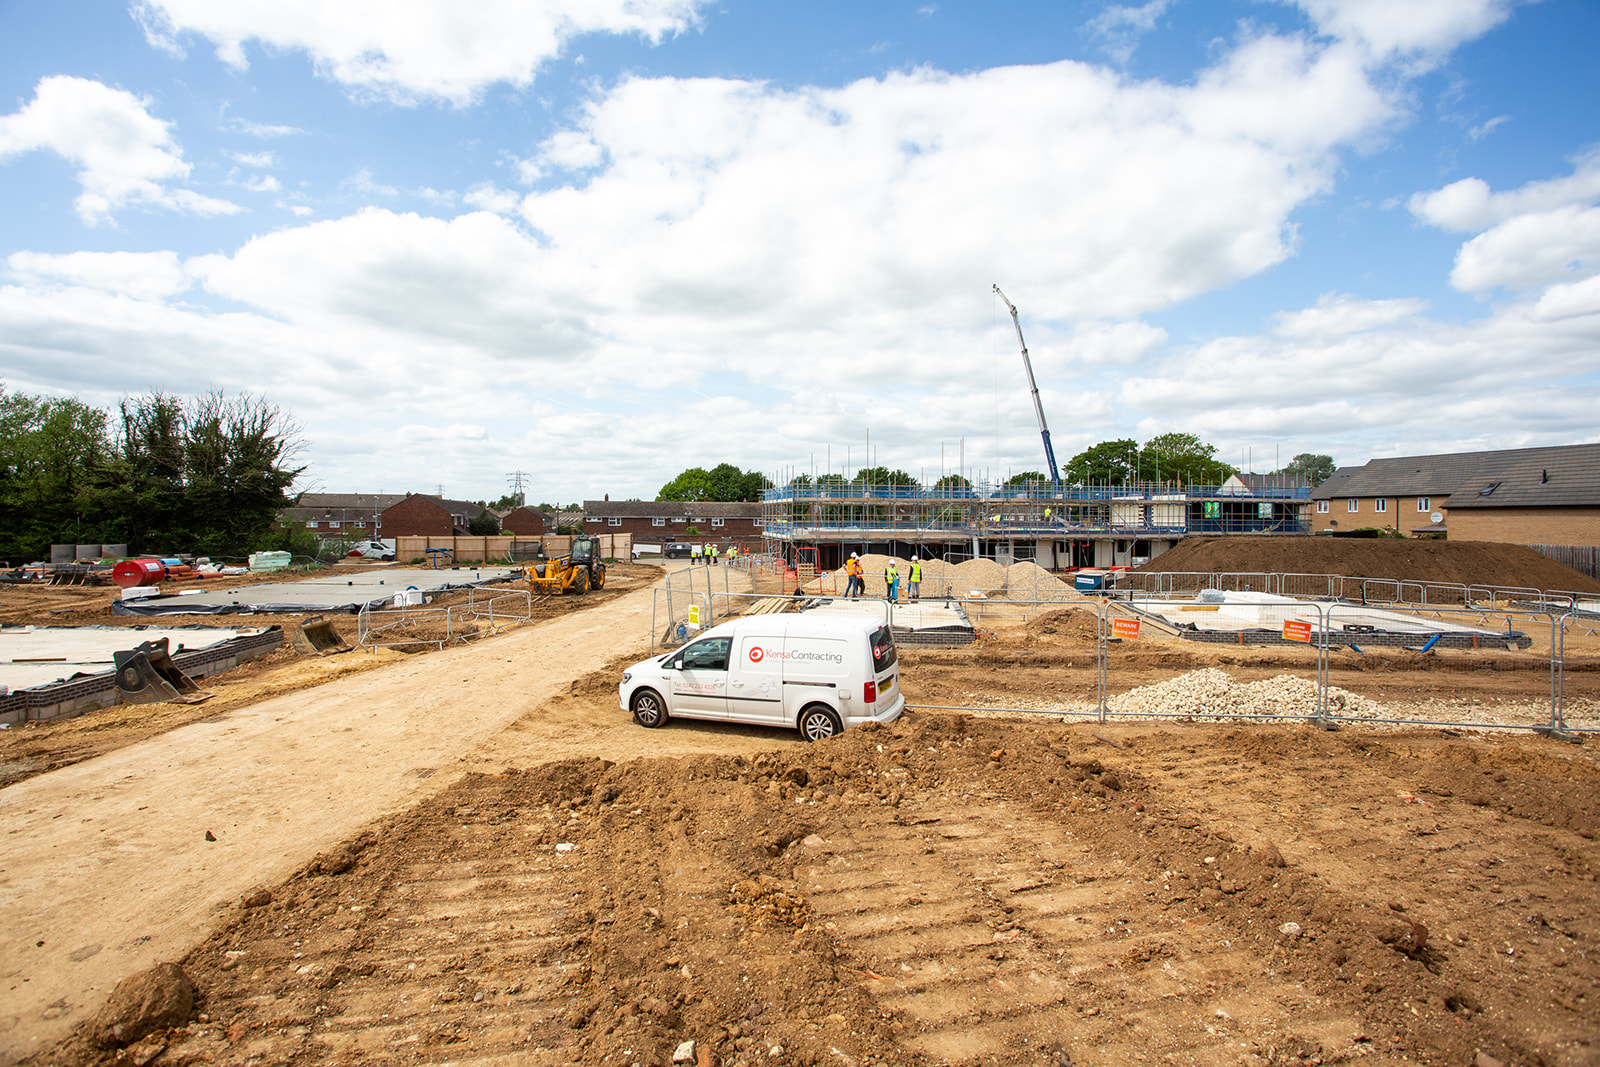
1436	518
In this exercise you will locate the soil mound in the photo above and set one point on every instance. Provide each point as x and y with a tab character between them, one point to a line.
1453	562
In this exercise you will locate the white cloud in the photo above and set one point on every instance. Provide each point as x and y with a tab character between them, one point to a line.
251	159
488	198
1545	233
262	130
404	50
263	183
1119	26
126	155
1469	205
142	275
1386	28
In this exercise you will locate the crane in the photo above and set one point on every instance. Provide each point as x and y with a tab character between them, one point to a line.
1038	408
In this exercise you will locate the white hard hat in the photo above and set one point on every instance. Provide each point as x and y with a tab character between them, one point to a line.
852	555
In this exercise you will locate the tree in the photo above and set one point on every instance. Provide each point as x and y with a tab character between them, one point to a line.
722	482
483	524
506	502
1027	479
1313	467
1182	458
882	476
48	449
693	484
1107	463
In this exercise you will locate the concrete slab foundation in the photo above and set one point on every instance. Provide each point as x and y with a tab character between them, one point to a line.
344	593
58	672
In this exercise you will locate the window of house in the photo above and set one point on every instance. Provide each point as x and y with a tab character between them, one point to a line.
1423	504
758	523
658	522
716	522
680	520
311	524
1322	507
1352	505
333	524
1380	505
613	522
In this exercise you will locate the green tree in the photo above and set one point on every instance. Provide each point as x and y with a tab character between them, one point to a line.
1027	479
882	476
483	524
1313	467
693	484
48	449
1182	458
723	482
1107	463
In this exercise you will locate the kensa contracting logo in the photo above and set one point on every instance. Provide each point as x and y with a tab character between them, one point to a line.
798	655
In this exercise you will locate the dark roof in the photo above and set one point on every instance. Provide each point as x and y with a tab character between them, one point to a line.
1561	476
651	509
351	501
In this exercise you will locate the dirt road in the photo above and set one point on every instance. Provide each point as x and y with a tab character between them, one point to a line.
106	866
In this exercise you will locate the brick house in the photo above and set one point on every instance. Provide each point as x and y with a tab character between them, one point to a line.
342	516
421	515
527	522
1527	496
660	521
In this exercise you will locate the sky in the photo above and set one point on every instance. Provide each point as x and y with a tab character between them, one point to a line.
598	242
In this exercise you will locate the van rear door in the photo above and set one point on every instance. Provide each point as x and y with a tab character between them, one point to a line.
884	660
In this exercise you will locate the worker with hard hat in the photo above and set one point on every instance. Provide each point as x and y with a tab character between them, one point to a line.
914	580
694	553
891	581
853	586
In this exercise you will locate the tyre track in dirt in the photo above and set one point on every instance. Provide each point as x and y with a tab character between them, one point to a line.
110	865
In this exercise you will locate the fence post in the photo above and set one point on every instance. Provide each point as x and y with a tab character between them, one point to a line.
1100	659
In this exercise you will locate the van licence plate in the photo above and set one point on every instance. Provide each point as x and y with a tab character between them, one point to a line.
886	685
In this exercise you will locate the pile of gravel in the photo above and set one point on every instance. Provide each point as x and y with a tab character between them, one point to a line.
1213	694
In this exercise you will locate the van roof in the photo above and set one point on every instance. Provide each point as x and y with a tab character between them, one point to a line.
799	625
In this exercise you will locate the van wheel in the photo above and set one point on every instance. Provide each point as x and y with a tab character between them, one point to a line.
648	709
817	722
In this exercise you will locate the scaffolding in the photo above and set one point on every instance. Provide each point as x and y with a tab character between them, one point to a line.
1014	521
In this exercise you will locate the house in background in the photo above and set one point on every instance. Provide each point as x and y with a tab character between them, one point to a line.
342	516
659	521
527	522
1525	496
421	515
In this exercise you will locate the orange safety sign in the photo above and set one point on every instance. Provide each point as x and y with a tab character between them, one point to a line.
1125	627
1295	630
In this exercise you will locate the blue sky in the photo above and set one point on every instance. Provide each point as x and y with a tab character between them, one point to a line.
600	241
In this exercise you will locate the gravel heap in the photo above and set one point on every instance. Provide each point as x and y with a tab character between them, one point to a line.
1029	581
1213	694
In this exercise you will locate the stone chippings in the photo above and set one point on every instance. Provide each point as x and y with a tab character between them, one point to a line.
1213	693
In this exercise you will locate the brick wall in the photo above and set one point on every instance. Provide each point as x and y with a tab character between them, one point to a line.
416	516
524	522
1527	526
743	532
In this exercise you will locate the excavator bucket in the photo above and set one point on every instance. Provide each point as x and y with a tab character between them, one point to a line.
317	637
147	675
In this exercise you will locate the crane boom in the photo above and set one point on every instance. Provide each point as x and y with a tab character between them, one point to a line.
1033	386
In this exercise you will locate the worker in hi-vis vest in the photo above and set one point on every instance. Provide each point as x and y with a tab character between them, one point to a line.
914	579
891	581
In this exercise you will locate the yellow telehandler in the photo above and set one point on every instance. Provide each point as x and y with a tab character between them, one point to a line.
579	571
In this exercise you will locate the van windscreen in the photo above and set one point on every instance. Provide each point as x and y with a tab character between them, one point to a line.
883	654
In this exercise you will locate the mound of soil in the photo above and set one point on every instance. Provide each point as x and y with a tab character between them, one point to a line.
1450	562
942	890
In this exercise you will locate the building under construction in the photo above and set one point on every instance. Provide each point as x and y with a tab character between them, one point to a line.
1073	526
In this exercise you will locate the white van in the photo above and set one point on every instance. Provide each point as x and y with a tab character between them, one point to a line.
818	674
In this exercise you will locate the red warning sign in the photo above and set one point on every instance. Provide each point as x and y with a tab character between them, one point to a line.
1125	627
1295	630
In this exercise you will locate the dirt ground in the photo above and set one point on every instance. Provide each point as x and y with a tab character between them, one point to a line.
1446	562
949	889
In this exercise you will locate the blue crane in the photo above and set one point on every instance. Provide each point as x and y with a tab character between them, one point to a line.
1038	408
